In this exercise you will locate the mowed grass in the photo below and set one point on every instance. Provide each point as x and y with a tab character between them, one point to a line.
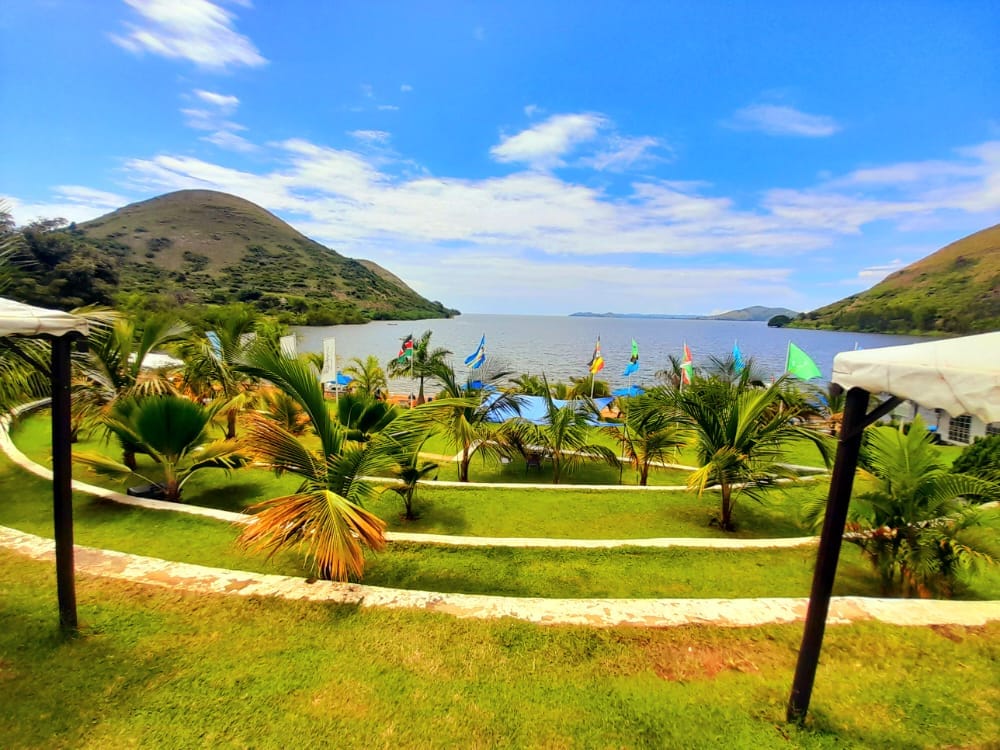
625	572
161	668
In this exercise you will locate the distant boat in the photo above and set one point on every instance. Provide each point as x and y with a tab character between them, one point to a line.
393	324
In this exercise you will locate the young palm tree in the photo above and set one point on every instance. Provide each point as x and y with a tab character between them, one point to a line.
362	416
468	416
740	433
564	436
648	434
528	384
410	471
422	364
369	377
173	431
588	386
285	410
112	366
211	367
326	514
916	525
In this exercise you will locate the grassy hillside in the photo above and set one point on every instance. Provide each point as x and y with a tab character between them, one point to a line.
955	290
205	246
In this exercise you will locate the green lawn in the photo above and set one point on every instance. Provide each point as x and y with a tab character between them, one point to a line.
483	512
161	668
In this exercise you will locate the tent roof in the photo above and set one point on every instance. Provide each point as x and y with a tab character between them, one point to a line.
961	376
19	319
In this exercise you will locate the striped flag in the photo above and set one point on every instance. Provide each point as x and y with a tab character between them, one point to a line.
687	366
596	363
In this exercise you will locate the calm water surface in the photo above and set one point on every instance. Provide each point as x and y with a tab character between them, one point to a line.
561	346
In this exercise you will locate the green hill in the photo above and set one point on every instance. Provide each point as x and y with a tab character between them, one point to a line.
955	291
209	247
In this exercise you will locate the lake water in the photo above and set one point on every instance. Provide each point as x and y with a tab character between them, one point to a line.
561	346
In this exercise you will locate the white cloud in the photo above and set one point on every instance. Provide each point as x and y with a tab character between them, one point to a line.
775	119
545	144
370	136
230	141
877	273
623	153
532	109
367	91
195	30
89	197
388	107
406	88
223	102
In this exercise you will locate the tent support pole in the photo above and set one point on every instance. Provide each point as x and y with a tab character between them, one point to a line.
62	492
841	484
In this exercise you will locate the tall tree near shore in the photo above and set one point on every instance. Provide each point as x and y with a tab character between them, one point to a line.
421	364
369	377
648	434
740	433
468	415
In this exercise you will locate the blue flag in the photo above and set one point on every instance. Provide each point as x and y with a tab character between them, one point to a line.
476	359
215	343
738	363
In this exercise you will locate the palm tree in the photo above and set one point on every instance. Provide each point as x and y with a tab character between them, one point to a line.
369	377
671	375
173	431
112	367
326	514
422	364
467	416
564	436
528	384
739	434
588	386
648	434
915	525
362	416
285	410
212	360
410	471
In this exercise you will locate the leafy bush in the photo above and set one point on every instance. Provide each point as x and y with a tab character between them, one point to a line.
981	459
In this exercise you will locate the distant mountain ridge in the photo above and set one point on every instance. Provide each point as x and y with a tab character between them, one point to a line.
212	247
955	290
756	313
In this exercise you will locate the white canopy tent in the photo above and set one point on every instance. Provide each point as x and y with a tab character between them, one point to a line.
27	321
960	376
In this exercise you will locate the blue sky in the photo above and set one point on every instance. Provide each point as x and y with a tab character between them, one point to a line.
530	157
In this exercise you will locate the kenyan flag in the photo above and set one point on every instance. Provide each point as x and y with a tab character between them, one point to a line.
405	349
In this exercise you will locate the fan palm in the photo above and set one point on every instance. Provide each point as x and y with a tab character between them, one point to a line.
648	434
369	377
173	431
362	416
422	364
915	525
740	434
326	514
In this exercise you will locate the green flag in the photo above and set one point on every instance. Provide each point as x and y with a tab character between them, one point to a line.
800	364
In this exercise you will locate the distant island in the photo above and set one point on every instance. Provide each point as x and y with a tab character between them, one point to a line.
756	313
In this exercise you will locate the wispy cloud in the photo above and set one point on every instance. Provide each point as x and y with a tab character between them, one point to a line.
370	136
406	88
545	144
623	153
388	107
194	30
212	116
775	119
880	272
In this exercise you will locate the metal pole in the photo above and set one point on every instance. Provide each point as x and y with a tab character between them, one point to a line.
841	484
62	493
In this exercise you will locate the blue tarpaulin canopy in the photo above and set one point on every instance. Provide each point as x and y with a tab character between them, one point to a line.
632	390
533	408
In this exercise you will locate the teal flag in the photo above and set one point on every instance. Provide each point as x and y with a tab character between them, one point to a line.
800	365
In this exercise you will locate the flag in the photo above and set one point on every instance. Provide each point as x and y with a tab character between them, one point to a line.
329	372
405	349
687	366
289	346
633	362
476	359
596	363
800	365
738	363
